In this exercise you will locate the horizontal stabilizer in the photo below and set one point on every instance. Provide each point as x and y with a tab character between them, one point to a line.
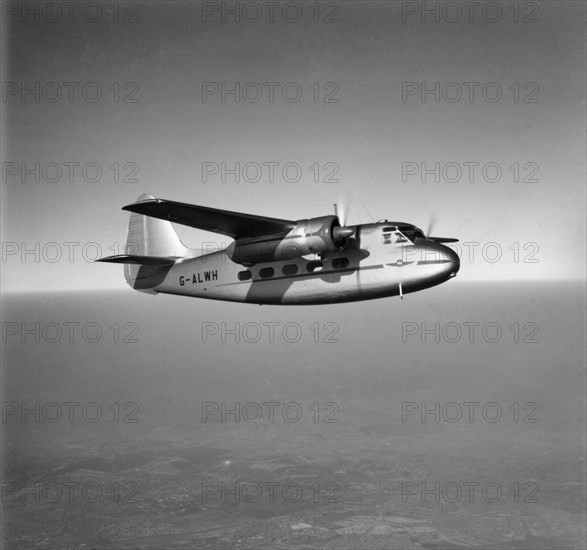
139	260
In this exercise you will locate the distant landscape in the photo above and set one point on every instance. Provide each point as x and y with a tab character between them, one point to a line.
136	421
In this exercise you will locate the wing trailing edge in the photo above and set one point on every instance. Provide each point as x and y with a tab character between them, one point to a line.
236	225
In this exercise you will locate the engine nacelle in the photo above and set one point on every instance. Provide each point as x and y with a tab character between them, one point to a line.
314	236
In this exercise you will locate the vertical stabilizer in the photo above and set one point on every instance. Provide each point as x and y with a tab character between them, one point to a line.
154	238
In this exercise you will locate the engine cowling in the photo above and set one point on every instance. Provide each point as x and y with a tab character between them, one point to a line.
321	236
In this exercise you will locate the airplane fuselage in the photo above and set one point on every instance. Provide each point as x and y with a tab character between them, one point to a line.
375	262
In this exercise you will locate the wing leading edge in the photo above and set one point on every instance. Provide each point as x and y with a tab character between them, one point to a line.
234	224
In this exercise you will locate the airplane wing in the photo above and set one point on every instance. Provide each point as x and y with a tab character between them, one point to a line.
137	260
234	224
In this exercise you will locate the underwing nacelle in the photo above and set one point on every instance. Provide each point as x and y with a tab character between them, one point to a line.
319	236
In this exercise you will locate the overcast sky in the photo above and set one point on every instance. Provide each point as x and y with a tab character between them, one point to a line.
359	127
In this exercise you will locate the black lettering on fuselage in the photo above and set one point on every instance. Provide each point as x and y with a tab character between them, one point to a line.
205	276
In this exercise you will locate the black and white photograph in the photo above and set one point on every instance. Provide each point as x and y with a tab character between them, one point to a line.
293	275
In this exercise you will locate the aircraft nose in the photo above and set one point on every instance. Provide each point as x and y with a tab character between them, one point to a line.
442	260
454	260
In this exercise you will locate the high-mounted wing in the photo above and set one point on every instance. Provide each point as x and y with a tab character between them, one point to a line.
137	260
234	224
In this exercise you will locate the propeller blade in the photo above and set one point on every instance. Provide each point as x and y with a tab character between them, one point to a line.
431	224
341	233
343	213
341	209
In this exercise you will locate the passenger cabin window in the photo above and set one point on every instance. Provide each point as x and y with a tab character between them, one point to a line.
340	263
289	269
244	275
389	229
314	266
266	272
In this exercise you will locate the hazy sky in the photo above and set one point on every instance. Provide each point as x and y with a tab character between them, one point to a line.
367	53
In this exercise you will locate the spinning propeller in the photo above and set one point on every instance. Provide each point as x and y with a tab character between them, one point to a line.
431	225
340	233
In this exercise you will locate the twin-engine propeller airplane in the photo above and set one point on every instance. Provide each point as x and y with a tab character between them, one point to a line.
274	261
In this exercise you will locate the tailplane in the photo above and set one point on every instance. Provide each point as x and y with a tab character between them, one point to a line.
152	247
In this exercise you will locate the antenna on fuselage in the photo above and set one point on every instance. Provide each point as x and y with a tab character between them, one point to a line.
368	211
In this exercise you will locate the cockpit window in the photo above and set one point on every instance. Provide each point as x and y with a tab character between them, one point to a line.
395	237
414	234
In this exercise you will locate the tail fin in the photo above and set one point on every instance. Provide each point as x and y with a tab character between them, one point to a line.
153	237
152	247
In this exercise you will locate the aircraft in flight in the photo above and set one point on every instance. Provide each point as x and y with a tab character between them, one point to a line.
282	262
